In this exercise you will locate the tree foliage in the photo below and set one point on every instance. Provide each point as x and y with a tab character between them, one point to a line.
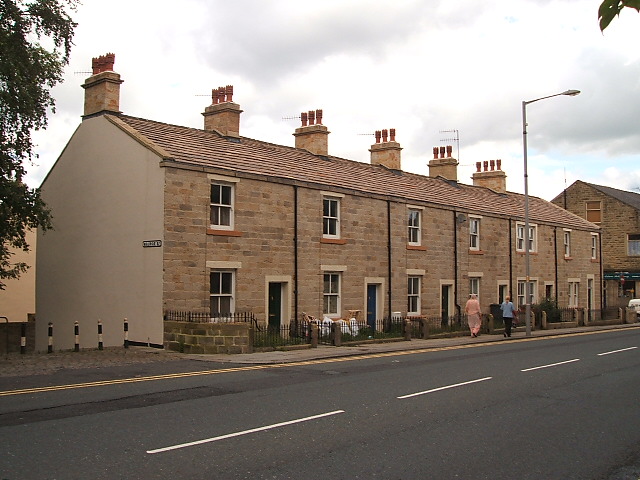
609	9
35	43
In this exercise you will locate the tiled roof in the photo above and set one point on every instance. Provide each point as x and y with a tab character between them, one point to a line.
630	198
209	149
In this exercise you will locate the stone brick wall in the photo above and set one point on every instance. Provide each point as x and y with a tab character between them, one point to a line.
618	220
211	338
261	245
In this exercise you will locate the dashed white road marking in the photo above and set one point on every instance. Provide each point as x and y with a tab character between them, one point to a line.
617	351
550	365
244	432
445	387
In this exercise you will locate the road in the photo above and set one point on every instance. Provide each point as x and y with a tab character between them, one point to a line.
548	408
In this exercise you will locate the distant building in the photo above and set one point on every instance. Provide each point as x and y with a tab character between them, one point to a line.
151	217
617	212
18	299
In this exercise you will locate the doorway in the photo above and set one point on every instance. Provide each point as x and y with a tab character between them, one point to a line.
445	303
372	305
275	306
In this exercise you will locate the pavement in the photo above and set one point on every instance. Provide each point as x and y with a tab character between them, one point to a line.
20	365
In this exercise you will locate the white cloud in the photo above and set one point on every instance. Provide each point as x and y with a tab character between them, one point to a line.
420	67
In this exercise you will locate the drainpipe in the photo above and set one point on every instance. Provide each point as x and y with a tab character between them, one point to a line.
603	300
389	254
555	250
455	265
510	260
295	252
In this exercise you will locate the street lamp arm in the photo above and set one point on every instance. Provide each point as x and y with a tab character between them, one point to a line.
571	93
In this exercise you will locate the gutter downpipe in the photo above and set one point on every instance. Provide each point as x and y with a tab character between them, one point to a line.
389	253
510	260
455	266
555	251
295	251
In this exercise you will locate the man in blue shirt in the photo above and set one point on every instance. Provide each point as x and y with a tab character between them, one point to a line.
508	314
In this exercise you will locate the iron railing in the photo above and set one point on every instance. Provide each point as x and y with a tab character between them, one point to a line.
207	317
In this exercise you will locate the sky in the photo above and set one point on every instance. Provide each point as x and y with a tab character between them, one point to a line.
439	72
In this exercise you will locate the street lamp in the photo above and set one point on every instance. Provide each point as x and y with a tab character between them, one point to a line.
528	292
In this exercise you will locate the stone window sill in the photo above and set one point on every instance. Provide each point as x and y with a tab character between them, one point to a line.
224	233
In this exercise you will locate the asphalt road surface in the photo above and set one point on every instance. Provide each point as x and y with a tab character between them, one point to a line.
546	408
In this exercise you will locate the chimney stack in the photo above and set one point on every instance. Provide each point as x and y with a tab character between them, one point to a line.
443	163
102	89
223	115
312	135
491	177
386	153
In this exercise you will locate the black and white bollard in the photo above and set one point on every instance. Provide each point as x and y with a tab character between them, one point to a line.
50	347
126	333
100	344
76	331
23	338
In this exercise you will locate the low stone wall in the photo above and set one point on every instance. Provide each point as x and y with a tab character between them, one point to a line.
11	336
192	337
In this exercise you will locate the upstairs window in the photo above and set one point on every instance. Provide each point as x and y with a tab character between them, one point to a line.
474	233
520	245
594	246
221	216
331	217
415	230
567	243
593	211
633	245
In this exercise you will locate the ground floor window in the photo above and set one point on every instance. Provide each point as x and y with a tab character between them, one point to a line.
474	286
573	293
221	293
331	292
522	293
413	295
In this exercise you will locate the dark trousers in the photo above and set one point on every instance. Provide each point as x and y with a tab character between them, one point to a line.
508	322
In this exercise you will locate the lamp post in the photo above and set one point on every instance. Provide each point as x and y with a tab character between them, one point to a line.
528	292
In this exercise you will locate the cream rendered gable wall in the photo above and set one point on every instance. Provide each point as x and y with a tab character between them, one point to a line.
106	196
18	299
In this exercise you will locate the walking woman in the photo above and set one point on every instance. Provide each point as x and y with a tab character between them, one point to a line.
508	314
472	309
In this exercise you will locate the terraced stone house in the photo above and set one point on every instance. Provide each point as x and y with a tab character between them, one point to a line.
617	212
151	217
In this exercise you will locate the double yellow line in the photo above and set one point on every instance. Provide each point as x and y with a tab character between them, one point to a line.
200	373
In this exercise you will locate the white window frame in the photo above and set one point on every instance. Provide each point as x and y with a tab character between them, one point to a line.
633	245
521	293
414	285
594	246
474	286
574	289
533	237
331	298
414	226
228	294
221	205
331	218
474	233
567	242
